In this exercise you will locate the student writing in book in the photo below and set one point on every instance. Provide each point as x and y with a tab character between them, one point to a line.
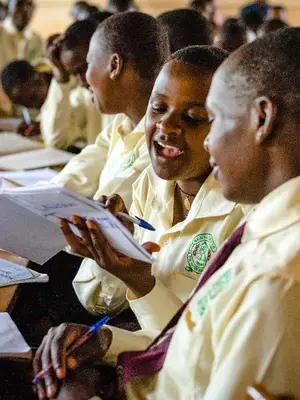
18	41
176	194
242	323
26	86
68	113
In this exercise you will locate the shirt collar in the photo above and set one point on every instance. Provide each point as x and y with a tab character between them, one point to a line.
208	203
277	211
129	134
11	28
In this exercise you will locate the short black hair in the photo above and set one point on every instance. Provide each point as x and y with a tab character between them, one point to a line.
101	16
269	66
272	25
233	34
79	34
138	38
195	4
16	73
253	20
186	28
121	5
208	58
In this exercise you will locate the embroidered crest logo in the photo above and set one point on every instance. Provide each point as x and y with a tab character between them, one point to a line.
200	252
131	161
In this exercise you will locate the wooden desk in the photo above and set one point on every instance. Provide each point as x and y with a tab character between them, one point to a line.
7	293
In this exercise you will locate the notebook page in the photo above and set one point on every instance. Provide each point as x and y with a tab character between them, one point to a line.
10	272
12	143
28	235
29	178
55	201
12	343
34	159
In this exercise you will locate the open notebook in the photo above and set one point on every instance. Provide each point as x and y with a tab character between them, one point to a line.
29	226
12	343
14	274
34	159
11	143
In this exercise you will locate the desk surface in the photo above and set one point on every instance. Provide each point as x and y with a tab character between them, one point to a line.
7	293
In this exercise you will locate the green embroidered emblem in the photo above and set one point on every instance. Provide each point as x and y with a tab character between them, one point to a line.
131	161
200	252
214	290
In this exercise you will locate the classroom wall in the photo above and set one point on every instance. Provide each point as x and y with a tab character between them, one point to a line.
53	15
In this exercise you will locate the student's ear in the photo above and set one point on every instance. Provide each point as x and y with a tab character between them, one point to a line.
116	66
266	112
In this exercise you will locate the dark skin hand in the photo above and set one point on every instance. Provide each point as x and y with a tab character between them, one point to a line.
53	51
53	350
93	244
29	130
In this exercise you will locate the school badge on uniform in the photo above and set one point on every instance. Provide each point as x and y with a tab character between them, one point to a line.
200	252
131	161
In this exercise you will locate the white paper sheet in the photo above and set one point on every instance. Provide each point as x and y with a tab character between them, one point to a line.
47	157
29	178
13	274
52	202
12	143
12	343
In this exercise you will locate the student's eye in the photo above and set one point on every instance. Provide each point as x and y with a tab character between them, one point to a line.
158	109
194	118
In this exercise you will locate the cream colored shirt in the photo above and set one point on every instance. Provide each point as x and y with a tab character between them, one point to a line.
15	45
69	115
243	326
186	248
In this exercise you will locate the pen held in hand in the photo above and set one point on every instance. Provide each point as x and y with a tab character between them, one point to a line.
79	342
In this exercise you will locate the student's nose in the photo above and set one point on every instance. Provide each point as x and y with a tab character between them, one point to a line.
169	125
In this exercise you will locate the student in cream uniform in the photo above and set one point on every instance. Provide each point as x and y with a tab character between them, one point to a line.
68	115
17	41
119	154
242	326
189	227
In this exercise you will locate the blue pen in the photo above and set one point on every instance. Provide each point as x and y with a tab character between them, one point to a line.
137	221
80	341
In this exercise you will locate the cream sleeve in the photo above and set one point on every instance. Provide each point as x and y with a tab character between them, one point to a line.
83	172
149	311
62	116
259	343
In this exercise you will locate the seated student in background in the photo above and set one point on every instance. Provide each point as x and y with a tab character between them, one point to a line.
233	34
82	10
17	41
27	87
117	6
253	21
177	194
68	114
262	7
3	11
272	25
242	323
208	9
277	12
186	28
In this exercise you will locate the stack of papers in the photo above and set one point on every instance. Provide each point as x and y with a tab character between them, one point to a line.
12	343
14	274
12	143
45	157
29	227
29	178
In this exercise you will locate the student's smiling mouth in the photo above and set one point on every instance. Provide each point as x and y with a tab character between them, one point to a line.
167	150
